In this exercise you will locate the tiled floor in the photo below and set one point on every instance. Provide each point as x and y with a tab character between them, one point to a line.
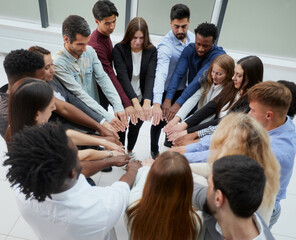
13	227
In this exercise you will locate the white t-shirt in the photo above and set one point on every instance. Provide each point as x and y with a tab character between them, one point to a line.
137	58
81	212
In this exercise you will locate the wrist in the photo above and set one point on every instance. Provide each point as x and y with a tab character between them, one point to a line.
110	153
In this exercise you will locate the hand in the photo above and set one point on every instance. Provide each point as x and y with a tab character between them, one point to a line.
132	113
165	107
157	114
148	162
139	110
178	128
174	136
147	110
119	161
117	125
104	132
186	139
123	118
174	122
113	146
181	149
110	128
113	140
117	153
133	166
172	111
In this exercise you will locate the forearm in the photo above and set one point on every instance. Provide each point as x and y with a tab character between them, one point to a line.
129	177
91	154
90	168
84	139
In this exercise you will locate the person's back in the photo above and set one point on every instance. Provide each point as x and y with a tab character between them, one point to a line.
55	199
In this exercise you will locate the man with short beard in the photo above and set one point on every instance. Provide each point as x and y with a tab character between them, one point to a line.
168	53
229	203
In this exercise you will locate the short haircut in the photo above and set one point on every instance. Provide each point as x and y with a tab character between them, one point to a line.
241	179
104	8
73	25
137	24
40	160
39	50
207	30
292	88
180	11
272	94
22	63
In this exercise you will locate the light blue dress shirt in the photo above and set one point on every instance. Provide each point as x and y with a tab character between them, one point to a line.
81	76
168	53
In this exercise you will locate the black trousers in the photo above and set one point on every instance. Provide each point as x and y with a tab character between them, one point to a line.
132	135
156	130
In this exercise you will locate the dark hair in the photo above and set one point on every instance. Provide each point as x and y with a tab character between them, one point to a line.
40	160
292	87
137	24
253	74
22	63
27	96
166	202
104	8
39	50
207	30
73	25
241	179
180	11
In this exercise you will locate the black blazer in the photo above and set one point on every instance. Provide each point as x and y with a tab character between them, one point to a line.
123	64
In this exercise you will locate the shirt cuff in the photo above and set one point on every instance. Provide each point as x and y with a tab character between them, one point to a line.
102	121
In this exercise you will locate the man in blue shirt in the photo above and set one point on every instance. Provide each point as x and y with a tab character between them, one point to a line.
168	54
195	58
269	103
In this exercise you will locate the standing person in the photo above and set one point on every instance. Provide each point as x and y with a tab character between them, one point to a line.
135	63
235	191
161	212
18	64
79	70
105	14
55	199
71	111
168	54
195	58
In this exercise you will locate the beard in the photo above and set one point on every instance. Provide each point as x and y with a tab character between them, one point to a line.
180	36
206	209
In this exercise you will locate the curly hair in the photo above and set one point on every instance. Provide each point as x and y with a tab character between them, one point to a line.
73	25
207	30
22	63
40	160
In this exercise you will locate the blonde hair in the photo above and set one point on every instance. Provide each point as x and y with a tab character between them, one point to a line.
239	133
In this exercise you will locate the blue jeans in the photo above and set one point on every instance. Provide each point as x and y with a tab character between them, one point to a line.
275	215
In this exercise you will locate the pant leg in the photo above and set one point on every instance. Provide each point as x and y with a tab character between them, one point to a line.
132	135
154	136
122	137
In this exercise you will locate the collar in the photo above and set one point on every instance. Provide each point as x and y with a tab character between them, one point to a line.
100	35
175	40
280	128
257	222
69	55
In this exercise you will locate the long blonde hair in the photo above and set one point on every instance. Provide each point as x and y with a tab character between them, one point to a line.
239	133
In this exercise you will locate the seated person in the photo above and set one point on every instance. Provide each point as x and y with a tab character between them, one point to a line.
55	199
31	102
161	201
229	203
135	60
17	64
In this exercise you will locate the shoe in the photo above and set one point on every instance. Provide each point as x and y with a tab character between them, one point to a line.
107	169
90	181
154	155
167	143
